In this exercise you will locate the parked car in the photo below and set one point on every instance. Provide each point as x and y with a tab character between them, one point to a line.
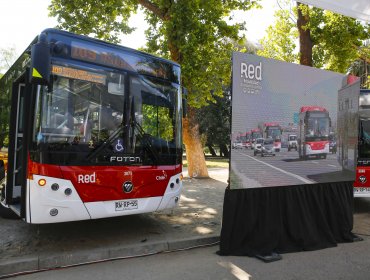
258	146
268	148
237	145
247	145
292	142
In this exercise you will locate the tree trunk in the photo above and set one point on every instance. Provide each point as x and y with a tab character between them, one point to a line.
211	150
224	152
197	167
305	42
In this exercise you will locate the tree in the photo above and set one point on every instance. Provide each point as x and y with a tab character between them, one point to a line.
327	40
214	121
361	66
7	58
305	40
279	42
193	33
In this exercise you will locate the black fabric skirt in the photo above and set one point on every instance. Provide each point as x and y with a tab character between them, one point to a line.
261	221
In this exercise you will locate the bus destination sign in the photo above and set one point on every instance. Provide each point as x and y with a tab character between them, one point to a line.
98	55
78	74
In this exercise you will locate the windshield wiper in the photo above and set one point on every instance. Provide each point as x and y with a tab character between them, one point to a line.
145	138
109	141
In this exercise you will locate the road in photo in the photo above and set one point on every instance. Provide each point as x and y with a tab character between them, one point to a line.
285	168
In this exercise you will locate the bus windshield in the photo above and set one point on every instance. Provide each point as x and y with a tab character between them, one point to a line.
317	129
116	118
274	133
364	143
256	135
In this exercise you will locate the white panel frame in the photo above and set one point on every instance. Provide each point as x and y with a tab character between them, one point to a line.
358	9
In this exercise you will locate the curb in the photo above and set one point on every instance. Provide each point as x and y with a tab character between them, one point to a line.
28	264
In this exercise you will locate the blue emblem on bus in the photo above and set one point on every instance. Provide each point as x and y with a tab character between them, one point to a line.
118	145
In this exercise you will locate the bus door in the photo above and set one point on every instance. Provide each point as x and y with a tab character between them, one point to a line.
17	153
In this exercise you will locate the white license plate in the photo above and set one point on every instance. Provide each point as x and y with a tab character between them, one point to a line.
361	190
126	205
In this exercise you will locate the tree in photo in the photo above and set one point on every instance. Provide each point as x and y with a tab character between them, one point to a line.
194	33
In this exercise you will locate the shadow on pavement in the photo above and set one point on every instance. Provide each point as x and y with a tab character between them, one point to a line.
336	176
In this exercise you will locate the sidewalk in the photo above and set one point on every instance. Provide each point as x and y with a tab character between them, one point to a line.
197	221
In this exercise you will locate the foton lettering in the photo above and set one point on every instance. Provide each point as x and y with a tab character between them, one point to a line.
125	159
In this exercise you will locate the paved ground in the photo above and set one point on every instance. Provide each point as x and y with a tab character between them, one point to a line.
345	262
197	221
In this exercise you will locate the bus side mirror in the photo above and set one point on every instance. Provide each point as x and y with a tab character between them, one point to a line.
184	102
40	62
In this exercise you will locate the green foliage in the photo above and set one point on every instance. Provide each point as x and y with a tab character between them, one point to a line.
157	122
214	121
7	58
198	37
337	39
193	33
280	40
361	67
105	20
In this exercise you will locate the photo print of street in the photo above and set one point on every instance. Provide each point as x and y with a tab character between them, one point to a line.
284	124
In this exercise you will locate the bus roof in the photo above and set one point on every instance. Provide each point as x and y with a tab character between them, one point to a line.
105	54
271	124
312	108
244	134
101	42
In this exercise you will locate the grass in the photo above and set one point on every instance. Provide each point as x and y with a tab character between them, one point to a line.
212	162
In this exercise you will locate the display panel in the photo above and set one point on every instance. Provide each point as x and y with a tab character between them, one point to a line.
289	113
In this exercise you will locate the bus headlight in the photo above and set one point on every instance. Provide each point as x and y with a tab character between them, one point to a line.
42	182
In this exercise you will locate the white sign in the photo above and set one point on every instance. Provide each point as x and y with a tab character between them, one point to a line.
359	9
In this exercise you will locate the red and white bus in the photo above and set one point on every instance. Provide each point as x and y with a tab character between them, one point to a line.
245	139
314	129
272	130
353	135
362	153
92	130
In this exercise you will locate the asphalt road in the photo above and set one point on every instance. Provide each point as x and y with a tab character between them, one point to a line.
285	168
347	261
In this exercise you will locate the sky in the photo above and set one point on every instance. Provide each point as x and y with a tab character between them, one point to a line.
22	20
